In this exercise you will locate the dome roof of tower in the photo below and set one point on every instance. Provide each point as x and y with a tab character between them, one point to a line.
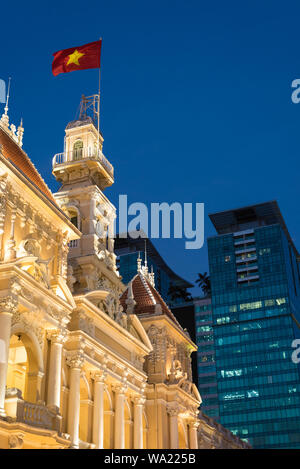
80	122
147	298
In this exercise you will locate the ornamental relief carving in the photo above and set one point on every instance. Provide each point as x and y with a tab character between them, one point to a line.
59	315
39	229
104	284
75	359
137	361
84	322
166	348
29	215
16	441
112	307
39	306
159	340
173	410
3	199
57	336
32	323
9	304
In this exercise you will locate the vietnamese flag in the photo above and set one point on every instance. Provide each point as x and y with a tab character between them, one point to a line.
77	58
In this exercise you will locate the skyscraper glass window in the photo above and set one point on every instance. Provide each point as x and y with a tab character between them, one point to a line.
255	285
206	366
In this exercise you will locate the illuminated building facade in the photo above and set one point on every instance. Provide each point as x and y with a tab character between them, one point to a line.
255	285
85	361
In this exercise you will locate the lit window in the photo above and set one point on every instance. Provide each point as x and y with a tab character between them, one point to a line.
253	305
77	150
264	251
252	393
269	302
280	301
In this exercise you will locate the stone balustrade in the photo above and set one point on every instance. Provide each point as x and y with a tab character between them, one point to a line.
37	415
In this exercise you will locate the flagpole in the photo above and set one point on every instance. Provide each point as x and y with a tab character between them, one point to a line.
99	100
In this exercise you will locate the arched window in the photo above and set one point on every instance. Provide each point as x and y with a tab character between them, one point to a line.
23	369
77	150
74	219
73	214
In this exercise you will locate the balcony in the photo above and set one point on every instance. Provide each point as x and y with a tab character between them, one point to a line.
247	268
246	250
82	154
74	243
244	241
35	415
242	260
248	278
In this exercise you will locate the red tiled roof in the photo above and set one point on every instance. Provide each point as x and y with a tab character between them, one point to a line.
18	157
146	297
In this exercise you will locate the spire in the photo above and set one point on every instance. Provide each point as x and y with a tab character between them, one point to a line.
143	269
5	118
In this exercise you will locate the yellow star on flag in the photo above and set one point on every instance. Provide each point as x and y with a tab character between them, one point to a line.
74	57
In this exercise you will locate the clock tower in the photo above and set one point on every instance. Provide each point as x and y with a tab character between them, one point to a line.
84	173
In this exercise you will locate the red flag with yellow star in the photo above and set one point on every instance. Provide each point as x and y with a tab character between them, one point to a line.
77	58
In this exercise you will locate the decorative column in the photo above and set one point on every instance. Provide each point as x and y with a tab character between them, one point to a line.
173	412
8	306
57	339
64	249
3	205
119	424
75	362
193	434
138	422
98	416
10	252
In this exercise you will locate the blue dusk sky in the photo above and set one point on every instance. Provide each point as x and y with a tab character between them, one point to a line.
195	105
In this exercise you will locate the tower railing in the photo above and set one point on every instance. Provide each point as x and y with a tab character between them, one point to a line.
81	154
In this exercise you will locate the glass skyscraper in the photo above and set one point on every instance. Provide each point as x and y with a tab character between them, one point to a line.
206	360
255	285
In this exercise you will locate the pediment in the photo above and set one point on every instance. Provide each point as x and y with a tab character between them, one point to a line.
61	289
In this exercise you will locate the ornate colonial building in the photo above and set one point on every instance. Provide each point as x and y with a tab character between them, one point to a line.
85	362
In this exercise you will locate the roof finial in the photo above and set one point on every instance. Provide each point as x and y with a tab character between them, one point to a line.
143	270
139	262
5	118
20	133
152	277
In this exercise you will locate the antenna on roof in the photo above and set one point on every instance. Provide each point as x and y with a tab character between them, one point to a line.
88	107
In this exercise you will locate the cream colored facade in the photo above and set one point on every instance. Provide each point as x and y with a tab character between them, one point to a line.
82	365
